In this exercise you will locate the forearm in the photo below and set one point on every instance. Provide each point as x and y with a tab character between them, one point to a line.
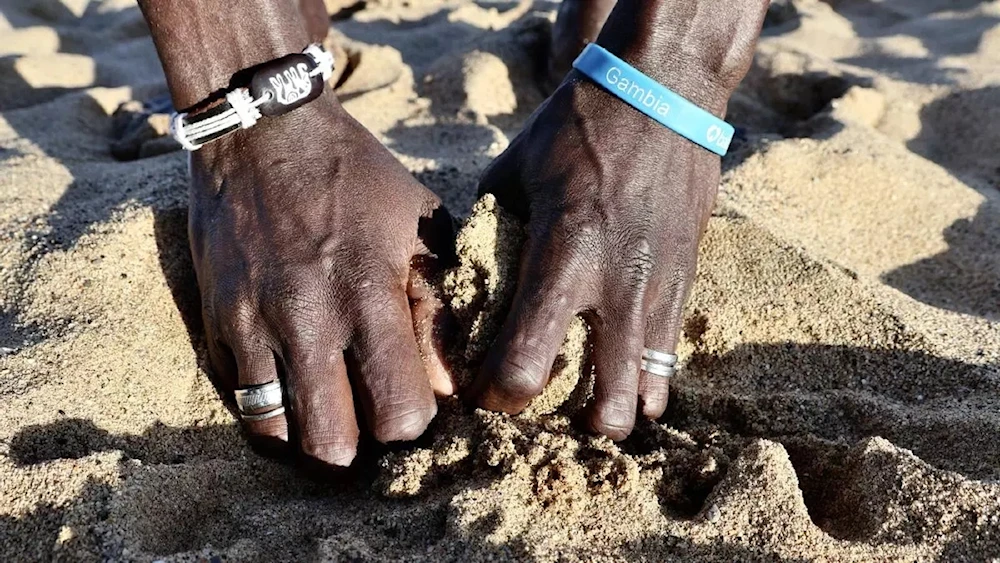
699	48
202	44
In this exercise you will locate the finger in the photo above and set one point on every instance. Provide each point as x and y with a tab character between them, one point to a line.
266	427
322	403
617	350
390	378
223	364
519	363
654	389
663	328
618	335
432	322
431	326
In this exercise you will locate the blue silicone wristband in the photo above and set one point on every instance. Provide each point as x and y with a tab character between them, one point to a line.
654	99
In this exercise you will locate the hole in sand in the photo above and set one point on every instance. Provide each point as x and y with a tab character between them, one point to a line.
827	480
685	488
690	472
791	104
801	96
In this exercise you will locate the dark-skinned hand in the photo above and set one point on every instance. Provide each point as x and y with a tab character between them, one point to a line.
302	232
615	205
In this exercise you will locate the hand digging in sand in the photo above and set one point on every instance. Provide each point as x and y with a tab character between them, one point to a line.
302	233
615	203
303	228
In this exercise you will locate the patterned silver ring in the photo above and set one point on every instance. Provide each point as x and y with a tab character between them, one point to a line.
655	356
259	397
658	369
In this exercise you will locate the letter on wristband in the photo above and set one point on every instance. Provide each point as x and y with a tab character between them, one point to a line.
654	99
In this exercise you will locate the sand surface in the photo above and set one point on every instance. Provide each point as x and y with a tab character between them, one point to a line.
840	392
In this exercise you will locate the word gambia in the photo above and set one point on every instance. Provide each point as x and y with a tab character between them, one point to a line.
648	99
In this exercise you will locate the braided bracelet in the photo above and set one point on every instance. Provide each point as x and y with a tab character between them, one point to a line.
277	87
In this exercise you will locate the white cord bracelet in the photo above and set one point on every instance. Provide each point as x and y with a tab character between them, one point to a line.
276	88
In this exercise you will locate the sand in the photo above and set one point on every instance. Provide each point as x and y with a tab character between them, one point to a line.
839	397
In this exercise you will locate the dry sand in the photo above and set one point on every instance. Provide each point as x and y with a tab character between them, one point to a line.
840	394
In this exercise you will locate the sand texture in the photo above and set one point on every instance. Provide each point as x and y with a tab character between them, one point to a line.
839	398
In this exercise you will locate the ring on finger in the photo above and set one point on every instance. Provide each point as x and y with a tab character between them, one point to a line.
251	400
658	363
659	357
658	369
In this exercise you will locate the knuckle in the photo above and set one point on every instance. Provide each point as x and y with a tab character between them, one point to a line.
291	295
679	270
639	264
618	405
578	233
237	317
372	281
380	310
639	254
305	359
367	280
301	332
297	318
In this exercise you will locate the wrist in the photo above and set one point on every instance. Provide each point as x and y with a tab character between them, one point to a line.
603	112
320	119
700	50
203	48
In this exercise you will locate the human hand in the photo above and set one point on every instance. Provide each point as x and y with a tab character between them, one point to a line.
302	232
615	205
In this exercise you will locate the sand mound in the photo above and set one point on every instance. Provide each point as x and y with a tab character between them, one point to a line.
838	398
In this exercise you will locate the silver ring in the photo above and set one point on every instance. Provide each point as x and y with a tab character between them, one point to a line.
655	356
259	397
258	417
658	369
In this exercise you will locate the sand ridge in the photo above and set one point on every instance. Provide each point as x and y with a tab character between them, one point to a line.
839	397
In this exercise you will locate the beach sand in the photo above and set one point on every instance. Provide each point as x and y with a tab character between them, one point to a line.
839	397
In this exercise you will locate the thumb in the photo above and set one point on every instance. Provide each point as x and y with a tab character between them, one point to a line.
433	324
